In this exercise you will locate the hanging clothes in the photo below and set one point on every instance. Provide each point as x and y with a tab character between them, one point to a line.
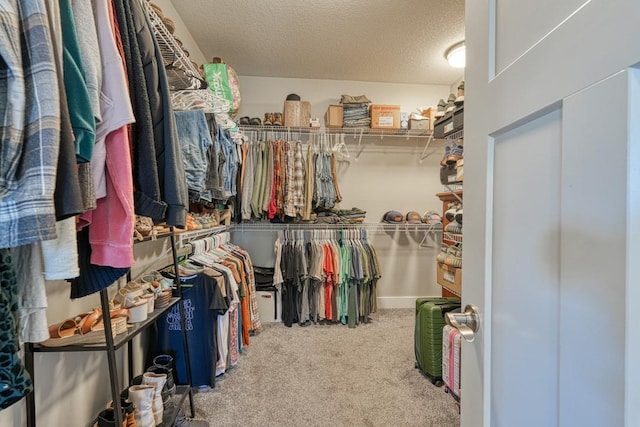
330	277
234	304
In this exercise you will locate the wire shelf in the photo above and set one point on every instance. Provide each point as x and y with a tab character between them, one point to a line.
371	227
355	132
452	237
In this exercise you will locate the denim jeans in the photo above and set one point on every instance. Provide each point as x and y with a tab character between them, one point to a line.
195	140
232	162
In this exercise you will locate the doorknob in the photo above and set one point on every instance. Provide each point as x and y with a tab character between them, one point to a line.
467	322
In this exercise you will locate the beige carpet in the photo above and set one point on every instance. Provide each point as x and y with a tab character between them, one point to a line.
329	375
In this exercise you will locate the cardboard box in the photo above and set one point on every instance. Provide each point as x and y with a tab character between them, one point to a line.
333	118
450	278
385	116
430	113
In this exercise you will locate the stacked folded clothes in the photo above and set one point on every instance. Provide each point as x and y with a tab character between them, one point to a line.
356	115
351	216
343	216
356	111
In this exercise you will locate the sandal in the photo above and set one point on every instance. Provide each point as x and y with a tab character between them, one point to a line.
143	227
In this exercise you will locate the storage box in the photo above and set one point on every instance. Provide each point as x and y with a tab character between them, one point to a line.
448	175
460	170
385	116
269	306
443	126
333	118
450	278
293	114
458	118
430	113
419	124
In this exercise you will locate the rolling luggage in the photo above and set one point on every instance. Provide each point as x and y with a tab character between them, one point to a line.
428	334
451	340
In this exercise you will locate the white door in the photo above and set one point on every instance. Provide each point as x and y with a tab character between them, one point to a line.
552	213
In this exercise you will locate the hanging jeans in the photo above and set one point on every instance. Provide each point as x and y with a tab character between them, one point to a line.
195	140
231	165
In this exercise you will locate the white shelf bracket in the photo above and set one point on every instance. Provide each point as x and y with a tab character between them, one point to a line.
424	154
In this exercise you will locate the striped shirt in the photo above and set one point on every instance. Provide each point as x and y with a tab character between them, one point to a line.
26	204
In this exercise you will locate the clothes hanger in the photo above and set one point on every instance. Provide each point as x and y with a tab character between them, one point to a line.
340	148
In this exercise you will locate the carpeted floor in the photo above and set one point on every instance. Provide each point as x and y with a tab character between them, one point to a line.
324	375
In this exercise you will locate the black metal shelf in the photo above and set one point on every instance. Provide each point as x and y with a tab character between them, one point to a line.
118	341
111	344
172	409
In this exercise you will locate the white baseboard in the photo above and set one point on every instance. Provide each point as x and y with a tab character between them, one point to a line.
397	302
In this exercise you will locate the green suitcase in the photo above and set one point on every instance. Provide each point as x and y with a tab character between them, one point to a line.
428	334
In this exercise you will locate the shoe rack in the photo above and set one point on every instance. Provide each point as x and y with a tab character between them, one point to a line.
113	343
449	277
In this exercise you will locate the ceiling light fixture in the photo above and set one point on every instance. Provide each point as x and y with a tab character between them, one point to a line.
456	55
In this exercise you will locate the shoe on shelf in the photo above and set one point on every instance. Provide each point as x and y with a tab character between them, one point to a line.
451	103
243	121
278	119
268	119
450	213
442	255
459	216
454	257
447	151
441	107
453	227
456	153
255	121
460	98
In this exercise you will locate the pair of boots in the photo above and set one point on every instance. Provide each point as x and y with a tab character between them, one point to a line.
107	418
147	399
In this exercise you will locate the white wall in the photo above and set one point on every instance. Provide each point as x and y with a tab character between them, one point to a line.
383	174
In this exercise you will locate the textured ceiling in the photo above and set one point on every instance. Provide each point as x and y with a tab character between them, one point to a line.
400	41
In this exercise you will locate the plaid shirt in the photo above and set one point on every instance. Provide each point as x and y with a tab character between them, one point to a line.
26	200
289	189
298	179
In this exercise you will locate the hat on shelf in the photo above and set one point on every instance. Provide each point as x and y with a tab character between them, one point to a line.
413	217
293	97
393	217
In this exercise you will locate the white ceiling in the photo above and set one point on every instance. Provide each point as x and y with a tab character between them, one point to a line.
400	41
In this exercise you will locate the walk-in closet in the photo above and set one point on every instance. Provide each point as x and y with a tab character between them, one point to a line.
251	213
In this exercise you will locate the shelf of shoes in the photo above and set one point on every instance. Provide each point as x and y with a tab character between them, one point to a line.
92	341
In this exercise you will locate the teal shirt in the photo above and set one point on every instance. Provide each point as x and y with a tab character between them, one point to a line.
80	110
